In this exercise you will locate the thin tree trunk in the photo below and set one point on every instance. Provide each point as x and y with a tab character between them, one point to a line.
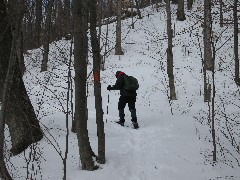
189	4
106	40
208	63
118	47
59	20
207	86
100	16
174	1
97	83
46	36
80	65
237	81
221	13
138	9
207	36
132	13
38	22
170	54
141	4
213	107
180	11
67	21
111	8
148	3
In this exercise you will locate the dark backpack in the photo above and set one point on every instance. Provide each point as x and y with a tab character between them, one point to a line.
130	83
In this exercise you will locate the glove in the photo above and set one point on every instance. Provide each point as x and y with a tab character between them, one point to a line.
109	87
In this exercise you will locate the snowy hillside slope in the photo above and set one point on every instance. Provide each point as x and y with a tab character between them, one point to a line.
174	139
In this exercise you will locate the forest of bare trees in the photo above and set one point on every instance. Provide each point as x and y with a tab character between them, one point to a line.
26	25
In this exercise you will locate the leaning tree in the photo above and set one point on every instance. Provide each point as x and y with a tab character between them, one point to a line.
16	109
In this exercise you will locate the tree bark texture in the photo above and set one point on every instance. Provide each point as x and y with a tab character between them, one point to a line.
213	106
207	36
170	54
138	9
5	50
180	11
100	17
20	116
118	47
235	18
189	4
38	27
132	13
174	1
97	83
20	56
46	39
111	8
144	3
67	19
80	65
221	13
28	27
21	119
59	20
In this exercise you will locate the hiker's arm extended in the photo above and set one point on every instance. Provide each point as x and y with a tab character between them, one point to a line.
118	85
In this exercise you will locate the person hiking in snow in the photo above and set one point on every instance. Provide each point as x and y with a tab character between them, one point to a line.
127	86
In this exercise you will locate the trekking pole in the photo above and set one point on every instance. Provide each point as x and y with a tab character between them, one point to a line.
107	107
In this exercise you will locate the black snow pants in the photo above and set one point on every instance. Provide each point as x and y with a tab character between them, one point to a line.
130	100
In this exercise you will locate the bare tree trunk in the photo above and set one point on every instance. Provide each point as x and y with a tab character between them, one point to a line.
106	40
97	83
80	65
138	10
207	90
20	116
67	20
132	13
221	13
141	4
189	4
118	47
5	50
29	30
208	64
100	16
237	81
47	35
207	36
59	20
21	119
213	107
38	22
20	52
148	2
174	1
180	11
111	8
19	45
170	54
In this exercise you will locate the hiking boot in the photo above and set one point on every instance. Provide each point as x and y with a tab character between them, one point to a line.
135	125
121	122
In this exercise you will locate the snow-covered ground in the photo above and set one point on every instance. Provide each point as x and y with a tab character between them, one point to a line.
174	138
